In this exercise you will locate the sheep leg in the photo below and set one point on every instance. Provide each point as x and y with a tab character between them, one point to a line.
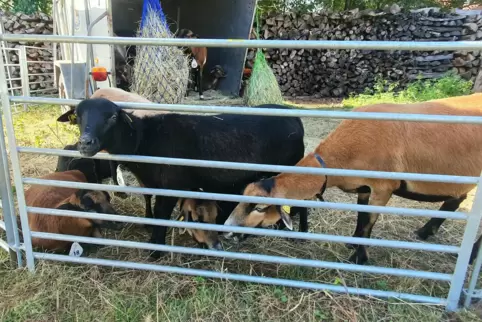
303	212
475	250
303	227
200	82
433	225
163	208
113	172
148	199
148	213
367	221
362	219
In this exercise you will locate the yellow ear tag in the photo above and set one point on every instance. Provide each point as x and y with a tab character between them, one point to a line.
286	209
180	218
73	119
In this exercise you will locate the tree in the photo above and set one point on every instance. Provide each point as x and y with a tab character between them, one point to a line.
26	6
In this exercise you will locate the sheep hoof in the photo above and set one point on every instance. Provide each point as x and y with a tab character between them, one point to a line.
359	258
423	233
351	246
155	255
121	195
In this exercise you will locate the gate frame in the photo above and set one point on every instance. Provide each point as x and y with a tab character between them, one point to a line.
473	218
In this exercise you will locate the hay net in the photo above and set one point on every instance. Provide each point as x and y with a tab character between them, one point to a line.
160	73
263	87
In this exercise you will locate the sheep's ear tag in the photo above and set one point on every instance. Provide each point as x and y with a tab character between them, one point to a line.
73	119
194	63
120	177
286	209
285	216
76	250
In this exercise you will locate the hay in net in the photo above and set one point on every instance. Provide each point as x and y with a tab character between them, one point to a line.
262	86
161	73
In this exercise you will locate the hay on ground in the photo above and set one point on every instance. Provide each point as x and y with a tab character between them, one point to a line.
161	73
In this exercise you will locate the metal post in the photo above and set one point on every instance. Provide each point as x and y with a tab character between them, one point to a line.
72	51
89	60
470	235
24	73
9	216
54	44
17	174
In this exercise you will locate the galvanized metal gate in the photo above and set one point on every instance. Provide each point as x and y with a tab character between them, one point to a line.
463	250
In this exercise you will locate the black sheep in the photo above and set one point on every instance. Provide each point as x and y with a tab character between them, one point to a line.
223	137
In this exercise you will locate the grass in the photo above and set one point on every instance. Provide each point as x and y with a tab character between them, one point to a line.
79	293
418	91
68	292
38	128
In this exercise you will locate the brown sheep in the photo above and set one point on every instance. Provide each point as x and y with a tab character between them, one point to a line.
414	147
67	199
213	212
204	211
199	57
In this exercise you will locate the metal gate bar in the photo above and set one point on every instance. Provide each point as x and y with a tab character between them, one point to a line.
243	278
473	220
375	116
9	223
253	43
249	256
251	231
250	199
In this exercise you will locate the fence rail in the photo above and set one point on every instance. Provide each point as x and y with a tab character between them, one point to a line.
243	278
258	200
472	218
23	83
252	43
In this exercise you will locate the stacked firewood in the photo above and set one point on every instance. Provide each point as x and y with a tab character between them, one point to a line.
40	65
337	73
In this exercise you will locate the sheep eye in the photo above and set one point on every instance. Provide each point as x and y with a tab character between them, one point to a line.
261	208
113	117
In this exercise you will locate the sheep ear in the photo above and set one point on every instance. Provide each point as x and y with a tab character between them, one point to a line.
285	216
68	116
127	118
184	216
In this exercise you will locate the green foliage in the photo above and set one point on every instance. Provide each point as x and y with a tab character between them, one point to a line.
47	132
6	5
26	6
418	91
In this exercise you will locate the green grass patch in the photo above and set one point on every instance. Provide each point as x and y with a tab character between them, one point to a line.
38	127
417	91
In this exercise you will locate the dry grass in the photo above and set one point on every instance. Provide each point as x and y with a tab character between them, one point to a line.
64	292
